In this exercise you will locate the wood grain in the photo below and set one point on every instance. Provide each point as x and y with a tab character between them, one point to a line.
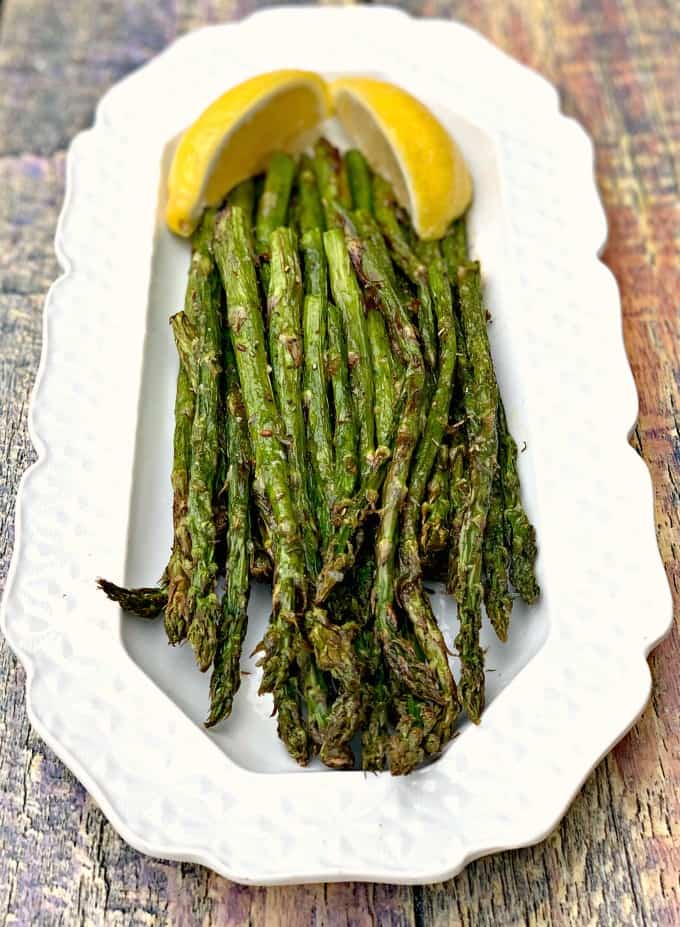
615	859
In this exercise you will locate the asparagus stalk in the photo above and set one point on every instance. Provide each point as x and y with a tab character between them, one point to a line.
496	561
347	297
243	195
175	618
264	516
459	500
226	675
459	449
334	651
262	531
375	737
146	602
454	247
199	289
318	715
272	208
282	641
345	434
285	351
350	515
193	607
333	728
359	178
436	509
481	402
438	412
203	604
331	180
408	262
320	439
371	261
413	597
520	535
288	702
188	348
310	213
415	722
150	601
384	374
346	647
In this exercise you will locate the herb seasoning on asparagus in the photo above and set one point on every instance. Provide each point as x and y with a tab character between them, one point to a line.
480	403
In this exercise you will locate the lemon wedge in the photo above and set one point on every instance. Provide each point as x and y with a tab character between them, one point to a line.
235	137
407	144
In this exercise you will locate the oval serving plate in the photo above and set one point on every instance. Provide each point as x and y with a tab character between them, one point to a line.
121	709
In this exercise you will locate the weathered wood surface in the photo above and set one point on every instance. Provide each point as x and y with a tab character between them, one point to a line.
615	859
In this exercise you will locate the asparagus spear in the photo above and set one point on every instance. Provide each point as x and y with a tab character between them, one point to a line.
146	602
346	647
350	515
347	297
264	515
413	597
243	195
331	735
371	260
345	431
408	262
359	178
226	675
288	702
455	247
272	208
385	211
199	289
331	180
282	642
459	500
384	374
480	401
320	440
436	509
203	605
438	413
311	222
333	646
263	531
496	561
318	712
520	535
285	351
310	213
150	601
375	736
459	450
415	721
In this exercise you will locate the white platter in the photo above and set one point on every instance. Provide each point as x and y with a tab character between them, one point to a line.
121	709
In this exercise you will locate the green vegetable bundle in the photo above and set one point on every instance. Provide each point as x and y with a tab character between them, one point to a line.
339	432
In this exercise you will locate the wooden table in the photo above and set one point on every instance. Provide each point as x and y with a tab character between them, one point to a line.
615	859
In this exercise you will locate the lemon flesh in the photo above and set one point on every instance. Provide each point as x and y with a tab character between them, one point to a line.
235	137
407	144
